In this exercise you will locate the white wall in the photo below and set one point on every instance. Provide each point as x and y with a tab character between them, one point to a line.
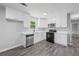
74	28
78	28
10	32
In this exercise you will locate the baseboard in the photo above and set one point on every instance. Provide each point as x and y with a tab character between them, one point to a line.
70	44
61	44
36	42
39	41
10	48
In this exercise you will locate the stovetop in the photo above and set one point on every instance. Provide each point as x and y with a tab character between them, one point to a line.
52	30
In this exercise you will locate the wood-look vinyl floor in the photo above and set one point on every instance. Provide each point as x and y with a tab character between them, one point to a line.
75	41
42	48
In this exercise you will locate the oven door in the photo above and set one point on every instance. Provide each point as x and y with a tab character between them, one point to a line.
50	37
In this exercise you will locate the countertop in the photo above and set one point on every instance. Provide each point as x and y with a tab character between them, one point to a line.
59	30
27	33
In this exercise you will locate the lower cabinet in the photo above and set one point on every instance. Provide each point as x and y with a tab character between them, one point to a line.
39	36
61	38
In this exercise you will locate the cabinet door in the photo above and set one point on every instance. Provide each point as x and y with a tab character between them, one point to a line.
36	38
58	38
43	35
43	23
61	38
39	37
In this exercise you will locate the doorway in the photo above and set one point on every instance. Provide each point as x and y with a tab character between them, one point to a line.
74	29
75	33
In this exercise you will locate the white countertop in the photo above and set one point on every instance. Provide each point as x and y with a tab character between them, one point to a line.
26	33
66	32
43	30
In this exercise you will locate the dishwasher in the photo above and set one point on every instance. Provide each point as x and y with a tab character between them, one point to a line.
29	40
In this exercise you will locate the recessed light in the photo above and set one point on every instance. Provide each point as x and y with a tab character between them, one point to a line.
44	13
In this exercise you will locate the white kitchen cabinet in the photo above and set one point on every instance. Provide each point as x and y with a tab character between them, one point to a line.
61	19
42	23
43	35
27	23
61	25
61	38
28	20
39	36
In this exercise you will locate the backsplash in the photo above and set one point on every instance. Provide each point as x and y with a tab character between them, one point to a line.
45	29
60	28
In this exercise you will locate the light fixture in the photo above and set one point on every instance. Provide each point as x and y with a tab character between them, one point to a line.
44	13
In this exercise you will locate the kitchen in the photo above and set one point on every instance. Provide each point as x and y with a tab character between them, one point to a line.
27	25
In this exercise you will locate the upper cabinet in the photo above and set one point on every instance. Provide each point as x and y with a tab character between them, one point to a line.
61	24
15	14
42	23
61	19
29	20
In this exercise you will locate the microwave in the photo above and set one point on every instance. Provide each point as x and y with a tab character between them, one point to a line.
52	25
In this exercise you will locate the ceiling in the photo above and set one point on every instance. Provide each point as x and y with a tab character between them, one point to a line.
52	9
16	6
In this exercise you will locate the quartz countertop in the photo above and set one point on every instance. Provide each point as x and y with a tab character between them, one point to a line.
63	31
26	33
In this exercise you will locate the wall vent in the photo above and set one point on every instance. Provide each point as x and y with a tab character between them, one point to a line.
24	4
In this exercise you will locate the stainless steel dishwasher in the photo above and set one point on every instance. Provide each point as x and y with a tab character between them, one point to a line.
29	40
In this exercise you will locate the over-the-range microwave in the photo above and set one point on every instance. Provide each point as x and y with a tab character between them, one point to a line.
52	25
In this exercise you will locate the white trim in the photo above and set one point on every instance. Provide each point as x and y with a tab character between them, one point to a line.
11	48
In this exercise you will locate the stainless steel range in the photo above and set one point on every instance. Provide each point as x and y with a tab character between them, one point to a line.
50	36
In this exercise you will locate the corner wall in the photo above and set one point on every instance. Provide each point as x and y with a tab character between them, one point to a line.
10	32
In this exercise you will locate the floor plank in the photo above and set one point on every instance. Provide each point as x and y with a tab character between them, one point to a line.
42	48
